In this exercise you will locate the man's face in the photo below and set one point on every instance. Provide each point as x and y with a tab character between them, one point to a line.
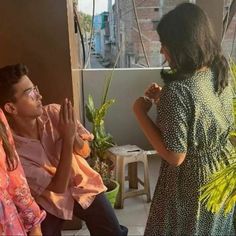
28	99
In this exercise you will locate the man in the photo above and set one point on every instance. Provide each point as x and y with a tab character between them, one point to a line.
52	146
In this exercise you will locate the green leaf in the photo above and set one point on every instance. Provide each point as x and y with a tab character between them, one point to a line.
220	192
90	109
103	110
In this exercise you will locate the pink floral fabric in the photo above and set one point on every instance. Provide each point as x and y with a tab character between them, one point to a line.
18	210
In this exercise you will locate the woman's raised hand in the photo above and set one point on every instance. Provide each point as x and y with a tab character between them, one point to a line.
67	122
153	92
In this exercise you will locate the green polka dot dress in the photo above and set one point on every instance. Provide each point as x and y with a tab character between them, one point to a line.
192	119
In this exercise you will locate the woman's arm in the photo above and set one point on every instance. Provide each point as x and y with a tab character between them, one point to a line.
151	131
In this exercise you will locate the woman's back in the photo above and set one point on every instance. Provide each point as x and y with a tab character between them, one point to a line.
193	124
201	113
192	118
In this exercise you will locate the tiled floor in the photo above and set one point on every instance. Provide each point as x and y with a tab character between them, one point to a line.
135	212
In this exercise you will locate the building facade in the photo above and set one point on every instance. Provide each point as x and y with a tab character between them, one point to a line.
124	30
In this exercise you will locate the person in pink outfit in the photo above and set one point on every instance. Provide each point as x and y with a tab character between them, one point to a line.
19	213
52	146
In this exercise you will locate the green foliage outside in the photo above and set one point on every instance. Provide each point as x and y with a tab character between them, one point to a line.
85	22
220	191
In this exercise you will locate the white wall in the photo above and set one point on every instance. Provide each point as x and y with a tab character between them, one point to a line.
126	86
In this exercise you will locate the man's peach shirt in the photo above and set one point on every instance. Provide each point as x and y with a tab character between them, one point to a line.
40	159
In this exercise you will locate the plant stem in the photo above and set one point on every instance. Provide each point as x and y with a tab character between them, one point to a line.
109	79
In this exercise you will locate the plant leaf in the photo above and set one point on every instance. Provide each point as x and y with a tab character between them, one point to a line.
103	110
90	109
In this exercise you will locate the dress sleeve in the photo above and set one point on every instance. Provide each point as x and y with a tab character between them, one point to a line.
173	119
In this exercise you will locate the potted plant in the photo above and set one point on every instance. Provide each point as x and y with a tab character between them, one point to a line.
220	191
102	141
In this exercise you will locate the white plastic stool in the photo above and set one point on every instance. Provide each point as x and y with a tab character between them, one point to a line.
131	155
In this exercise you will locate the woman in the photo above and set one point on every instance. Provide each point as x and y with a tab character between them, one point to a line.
194	118
19	213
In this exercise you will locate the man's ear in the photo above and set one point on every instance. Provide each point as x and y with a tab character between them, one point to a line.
10	108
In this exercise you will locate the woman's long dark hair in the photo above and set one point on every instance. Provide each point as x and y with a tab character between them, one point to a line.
9	75
189	37
11	158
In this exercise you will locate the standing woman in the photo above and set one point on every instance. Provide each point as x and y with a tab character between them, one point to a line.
19	213
194	118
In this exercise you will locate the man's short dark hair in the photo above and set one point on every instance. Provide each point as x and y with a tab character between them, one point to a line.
10	75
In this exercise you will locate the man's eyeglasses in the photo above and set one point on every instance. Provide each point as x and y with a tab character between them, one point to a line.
33	92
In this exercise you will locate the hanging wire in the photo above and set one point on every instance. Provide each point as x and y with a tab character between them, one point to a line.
131	9
232	10
139	31
225	22
91	35
233	42
76	17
